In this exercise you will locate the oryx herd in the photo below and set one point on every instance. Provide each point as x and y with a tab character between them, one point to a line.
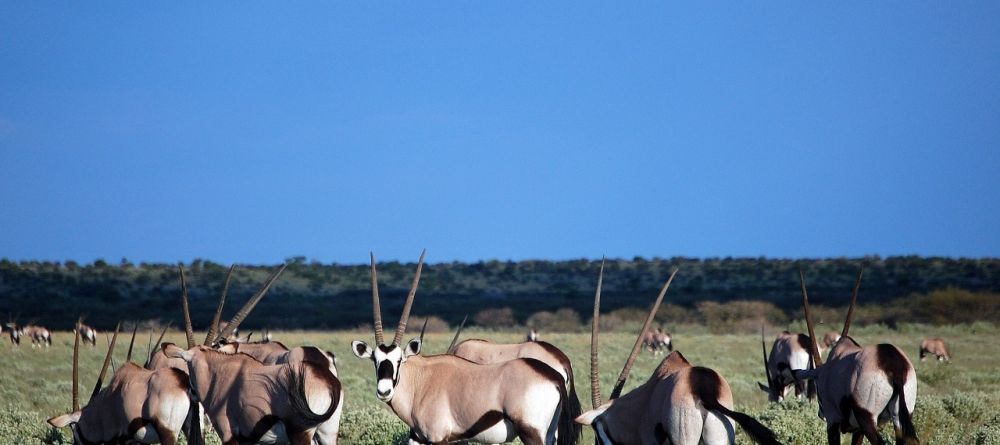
266	393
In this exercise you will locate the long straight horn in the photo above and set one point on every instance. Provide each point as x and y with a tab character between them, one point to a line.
375	303
107	361
213	329
76	367
409	301
187	311
245	310
595	378
854	302
159	341
638	341
813	346
149	348
128	358
763	348
454	340
423	329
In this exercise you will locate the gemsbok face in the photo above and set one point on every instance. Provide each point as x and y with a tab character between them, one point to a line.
789	353
859	387
444	398
935	347
137	406
679	404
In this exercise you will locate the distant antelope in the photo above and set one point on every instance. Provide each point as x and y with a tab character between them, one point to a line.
657	341
486	353
444	398
829	339
88	335
680	404
789	353
39	335
532	335
936	347
858	387
14	332
138	405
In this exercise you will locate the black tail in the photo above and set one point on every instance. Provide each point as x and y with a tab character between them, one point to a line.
571	410
908	435
756	430
192	425
298	399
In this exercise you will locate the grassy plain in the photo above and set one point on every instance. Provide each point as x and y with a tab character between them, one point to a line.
957	402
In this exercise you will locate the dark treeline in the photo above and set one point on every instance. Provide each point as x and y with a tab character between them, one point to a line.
312	295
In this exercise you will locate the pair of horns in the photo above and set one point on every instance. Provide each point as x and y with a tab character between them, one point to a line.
234	323
809	323
595	384
377	308
104	368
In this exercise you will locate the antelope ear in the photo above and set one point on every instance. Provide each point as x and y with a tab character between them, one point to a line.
588	417
361	349
413	347
764	387
65	419
173	351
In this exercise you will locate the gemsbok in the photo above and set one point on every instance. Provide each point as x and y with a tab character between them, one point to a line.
829	339
935	347
39	335
88	335
657	341
679	404
485	352
789	353
532	335
137	406
860	387
444	398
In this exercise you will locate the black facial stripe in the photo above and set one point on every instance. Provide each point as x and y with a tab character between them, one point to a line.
385	371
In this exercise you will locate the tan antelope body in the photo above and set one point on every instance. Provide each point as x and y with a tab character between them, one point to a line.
679	404
137	406
861	387
657	341
39	335
445	398
936	347
485	352
275	353
88	335
789	353
250	402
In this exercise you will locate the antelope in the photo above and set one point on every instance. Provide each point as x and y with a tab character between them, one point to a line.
14	332
860	387
532	335
936	347
138	405
39	335
444	398
789	353
679	404
486	353
656	341
275	353
87	334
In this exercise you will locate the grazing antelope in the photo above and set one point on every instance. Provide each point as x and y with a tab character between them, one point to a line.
486	353
656	341
936	347
14	332
444	398
87	334
860	387
679	404
250	402
789	353
137	406
532	335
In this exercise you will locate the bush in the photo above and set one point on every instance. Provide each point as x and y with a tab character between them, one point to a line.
739	316
373	425
562	320
495	318
435	324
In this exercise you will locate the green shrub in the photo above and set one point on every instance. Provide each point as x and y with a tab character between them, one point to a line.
372	425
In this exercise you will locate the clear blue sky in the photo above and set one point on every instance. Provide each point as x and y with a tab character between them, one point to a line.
508	130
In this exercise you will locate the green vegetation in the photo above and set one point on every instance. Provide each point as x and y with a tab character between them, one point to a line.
956	402
718	292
